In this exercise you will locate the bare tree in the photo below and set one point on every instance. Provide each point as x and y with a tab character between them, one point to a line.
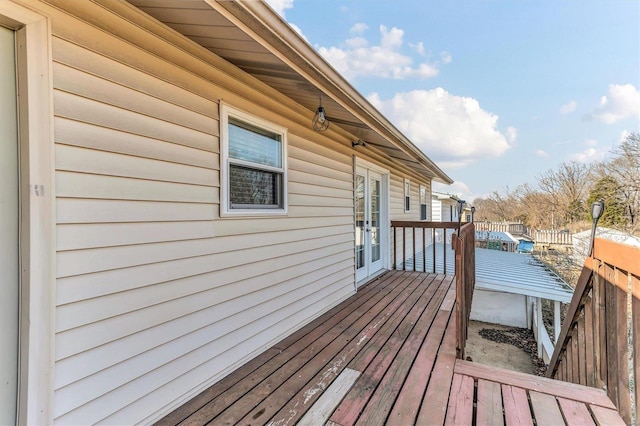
624	167
567	188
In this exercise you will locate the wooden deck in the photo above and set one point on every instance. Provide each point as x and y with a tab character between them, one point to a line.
387	356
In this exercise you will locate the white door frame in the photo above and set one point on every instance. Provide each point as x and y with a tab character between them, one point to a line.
37	215
365	274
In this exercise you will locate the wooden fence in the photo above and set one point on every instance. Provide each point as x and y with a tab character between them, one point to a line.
552	237
416	248
599	344
510	227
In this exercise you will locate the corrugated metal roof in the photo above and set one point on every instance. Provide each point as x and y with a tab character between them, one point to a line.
503	271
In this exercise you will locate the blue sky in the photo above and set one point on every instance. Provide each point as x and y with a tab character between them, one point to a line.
495	92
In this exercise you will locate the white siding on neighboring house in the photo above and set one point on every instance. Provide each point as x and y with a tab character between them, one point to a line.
154	297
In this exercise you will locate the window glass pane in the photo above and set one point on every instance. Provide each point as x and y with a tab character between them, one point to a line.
360	221
253	187
253	144
375	219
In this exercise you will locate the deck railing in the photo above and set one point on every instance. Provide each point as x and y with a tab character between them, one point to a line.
423	246
599	344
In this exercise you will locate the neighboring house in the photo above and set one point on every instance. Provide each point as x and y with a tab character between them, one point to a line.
171	212
444	207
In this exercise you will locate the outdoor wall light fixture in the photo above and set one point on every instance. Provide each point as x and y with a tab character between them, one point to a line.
320	122
359	142
597	208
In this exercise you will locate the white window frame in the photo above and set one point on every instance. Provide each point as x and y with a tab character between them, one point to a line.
227	112
407	195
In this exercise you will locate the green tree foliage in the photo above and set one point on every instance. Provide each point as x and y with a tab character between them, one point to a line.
608	189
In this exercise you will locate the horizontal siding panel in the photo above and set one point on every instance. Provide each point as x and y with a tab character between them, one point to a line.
324	147
81	236
84	59
323	211
319	191
71	80
325	172
78	108
330	159
305	177
97	359
82	160
88	311
87	261
79	210
126	386
320	201
276	224
80	339
81	185
77	133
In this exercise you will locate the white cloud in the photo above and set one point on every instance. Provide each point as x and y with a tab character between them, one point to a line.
623	136
359	28
418	47
541	153
445	57
512	134
588	156
591	154
358	57
568	107
621	101
452	130
280	6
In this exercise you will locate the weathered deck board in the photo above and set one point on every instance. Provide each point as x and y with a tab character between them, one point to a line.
575	412
516	406
387	356
299	345
264	400
373	372
408	403
489	404
545	409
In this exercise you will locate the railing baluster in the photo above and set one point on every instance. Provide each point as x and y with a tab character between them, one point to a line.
433	244
413	229
444	251
404	249
424	250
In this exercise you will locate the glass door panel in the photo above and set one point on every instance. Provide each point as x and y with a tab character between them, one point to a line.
360	221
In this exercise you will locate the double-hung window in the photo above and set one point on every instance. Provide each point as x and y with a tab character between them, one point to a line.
423	202
254	172
407	196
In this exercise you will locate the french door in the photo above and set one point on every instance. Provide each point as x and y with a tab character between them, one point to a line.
9	246
371	220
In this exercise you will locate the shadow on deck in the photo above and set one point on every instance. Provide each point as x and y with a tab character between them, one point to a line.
387	355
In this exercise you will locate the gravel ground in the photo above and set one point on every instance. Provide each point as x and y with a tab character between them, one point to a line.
511	348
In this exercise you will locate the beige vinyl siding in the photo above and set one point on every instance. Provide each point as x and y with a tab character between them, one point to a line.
155	298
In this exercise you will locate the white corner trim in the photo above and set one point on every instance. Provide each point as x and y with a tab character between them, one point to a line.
37	216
